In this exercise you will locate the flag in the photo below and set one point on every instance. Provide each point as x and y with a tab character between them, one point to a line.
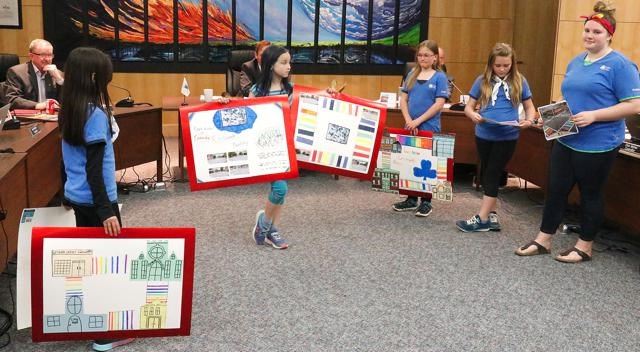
185	87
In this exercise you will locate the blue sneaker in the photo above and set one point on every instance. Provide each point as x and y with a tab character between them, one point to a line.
473	225
106	345
258	235
274	239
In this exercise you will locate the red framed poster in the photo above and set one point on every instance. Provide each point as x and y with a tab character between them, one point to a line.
415	165
245	141
337	134
86	285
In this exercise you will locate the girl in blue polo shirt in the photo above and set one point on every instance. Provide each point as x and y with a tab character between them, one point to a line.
602	87
87	149
423	95
497	94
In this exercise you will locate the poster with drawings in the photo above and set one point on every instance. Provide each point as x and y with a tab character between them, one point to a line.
77	273
336	134
415	165
244	141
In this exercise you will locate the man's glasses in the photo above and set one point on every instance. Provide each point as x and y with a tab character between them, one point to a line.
45	56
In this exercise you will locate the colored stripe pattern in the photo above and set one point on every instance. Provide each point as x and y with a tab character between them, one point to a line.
121	320
102	265
73	287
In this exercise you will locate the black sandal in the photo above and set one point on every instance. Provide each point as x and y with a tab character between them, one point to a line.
584	257
540	249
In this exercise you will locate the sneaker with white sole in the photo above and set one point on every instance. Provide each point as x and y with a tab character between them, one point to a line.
258	234
494	223
474	224
107	345
424	209
275	240
406	205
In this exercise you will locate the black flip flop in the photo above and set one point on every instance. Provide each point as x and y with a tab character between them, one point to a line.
540	249
584	257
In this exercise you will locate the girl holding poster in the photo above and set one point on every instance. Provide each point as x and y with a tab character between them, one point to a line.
87	149
276	65
421	100
493	106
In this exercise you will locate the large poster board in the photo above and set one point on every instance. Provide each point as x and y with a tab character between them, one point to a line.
415	165
242	142
87	285
337	134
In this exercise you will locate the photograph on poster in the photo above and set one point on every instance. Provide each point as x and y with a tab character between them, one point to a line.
244	141
79	271
415	165
336	134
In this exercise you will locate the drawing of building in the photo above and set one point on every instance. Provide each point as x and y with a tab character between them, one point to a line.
74	319
443	191
155	266
153	315
71	262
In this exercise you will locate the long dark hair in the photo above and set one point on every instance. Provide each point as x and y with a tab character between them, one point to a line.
87	72
270	56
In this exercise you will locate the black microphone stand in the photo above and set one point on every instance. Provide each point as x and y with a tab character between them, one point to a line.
126	102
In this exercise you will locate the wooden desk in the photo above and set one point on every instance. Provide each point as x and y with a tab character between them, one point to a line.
530	161
43	153
13	198
174	104
140	139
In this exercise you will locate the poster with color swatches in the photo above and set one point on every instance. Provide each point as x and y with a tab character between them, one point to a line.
242	142
336	134
87	285
415	165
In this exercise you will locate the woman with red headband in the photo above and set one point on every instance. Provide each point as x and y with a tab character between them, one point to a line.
602	87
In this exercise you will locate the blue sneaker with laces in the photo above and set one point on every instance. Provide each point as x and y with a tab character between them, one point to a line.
258	234
275	240
474	224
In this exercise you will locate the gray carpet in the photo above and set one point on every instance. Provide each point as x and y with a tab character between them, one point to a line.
360	277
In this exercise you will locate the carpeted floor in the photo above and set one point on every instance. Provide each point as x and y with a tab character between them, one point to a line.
360	277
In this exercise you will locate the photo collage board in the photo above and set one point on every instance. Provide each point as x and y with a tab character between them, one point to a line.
242	142
415	165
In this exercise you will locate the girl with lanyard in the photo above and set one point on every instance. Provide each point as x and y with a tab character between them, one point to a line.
601	87
421	100
497	94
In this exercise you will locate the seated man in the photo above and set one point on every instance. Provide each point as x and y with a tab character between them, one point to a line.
29	85
251	69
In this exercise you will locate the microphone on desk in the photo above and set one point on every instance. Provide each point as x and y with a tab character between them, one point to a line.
126	102
457	106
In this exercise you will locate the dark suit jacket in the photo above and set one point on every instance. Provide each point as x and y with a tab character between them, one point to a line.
22	86
250	72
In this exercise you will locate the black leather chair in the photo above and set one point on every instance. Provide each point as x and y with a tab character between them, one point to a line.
6	62
234	65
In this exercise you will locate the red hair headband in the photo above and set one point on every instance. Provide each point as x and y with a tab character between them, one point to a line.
599	17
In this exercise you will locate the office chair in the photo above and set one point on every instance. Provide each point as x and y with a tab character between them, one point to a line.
6	62
234	65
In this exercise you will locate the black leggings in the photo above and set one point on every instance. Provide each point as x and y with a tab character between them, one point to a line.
590	171
494	156
88	216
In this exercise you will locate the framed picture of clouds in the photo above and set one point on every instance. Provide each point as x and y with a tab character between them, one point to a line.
337	134
242	142
87	285
415	165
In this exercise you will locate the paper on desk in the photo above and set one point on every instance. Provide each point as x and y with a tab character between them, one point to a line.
503	123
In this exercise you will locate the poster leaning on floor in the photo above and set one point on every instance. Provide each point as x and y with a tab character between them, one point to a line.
337	134
242	142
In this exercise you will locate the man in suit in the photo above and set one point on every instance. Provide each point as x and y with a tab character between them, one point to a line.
251	69
29	85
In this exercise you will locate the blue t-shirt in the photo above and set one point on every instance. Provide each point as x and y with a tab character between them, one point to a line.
591	86
423	94
503	111
254	91
76	189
